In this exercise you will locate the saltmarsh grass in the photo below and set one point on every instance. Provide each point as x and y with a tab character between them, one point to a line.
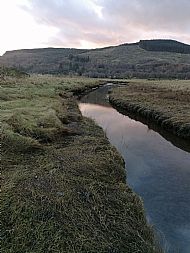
31	107
64	185
166	102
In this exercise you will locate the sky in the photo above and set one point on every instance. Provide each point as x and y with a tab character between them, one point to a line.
90	23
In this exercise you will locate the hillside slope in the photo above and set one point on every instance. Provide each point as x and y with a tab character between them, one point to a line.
146	59
42	60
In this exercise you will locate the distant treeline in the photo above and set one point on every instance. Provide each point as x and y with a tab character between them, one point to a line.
11	72
165	46
84	66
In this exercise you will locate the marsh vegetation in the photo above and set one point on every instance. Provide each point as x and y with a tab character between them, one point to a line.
64	185
165	102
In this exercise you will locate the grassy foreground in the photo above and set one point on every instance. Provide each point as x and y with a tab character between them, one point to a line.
165	102
64	185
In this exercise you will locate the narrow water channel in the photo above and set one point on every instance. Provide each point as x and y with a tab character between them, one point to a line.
157	170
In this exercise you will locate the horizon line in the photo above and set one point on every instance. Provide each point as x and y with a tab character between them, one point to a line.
95	48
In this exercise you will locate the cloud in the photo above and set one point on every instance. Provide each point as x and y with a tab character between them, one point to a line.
161	15
18	28
106	22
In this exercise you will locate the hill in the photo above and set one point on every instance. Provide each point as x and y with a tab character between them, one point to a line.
145	59
42	60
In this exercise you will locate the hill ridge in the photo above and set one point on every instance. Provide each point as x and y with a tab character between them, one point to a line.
144	59
91	49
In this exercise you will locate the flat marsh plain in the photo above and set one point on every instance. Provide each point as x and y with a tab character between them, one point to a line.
64	185
165	102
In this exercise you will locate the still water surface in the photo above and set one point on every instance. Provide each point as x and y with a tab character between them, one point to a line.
157	170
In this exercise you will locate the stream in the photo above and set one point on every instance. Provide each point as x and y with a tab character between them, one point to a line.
157	168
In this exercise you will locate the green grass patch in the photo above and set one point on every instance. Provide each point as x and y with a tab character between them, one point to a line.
35	107
64	185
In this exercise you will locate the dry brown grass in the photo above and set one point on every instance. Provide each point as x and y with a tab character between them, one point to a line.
165	102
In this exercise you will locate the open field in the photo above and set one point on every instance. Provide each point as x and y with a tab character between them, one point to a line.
165	102
64	186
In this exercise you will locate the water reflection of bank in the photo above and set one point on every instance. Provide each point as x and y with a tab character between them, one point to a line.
156	169
100	96
175	140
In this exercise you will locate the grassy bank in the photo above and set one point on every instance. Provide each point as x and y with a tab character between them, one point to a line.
165	102
64	185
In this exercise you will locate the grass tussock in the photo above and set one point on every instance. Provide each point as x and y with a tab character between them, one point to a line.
72	197
165	102
64	185
35	107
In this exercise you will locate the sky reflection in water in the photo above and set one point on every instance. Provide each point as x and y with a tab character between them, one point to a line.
157	170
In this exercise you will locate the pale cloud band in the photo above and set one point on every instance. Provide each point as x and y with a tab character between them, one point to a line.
96	23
